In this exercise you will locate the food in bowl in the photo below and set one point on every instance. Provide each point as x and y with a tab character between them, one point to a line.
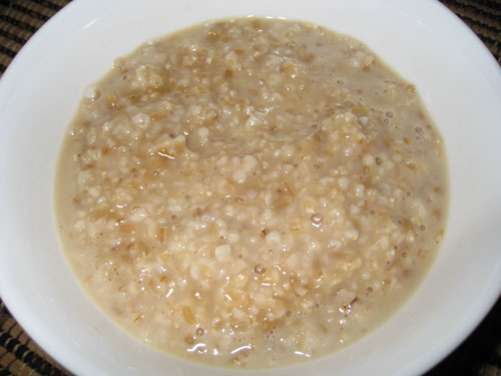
251	192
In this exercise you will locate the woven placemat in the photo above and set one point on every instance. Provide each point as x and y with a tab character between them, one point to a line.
480	354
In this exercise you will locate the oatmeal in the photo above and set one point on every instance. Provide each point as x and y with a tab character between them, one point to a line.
251	192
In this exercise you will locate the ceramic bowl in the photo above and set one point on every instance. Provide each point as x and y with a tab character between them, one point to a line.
457	78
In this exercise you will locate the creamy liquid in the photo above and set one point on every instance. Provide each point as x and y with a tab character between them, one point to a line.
251	192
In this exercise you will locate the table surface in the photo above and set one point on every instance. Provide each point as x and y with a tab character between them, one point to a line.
480	354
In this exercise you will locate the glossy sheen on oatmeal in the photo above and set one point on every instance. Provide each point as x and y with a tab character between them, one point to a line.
251	192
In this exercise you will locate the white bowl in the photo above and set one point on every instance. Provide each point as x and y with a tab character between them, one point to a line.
456	76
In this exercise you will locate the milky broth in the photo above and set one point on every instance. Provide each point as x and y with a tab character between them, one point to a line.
251	192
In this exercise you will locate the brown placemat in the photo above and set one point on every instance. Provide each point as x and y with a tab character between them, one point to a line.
480	354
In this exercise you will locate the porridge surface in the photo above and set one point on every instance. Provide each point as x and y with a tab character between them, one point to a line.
251	192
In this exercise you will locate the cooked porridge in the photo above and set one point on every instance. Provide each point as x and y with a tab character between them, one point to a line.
251	192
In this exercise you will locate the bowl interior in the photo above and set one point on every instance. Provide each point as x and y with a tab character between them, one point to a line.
457	79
